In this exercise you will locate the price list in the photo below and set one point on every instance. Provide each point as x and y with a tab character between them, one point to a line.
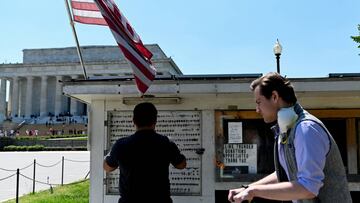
183	128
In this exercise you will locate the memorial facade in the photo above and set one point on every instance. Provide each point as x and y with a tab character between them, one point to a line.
34	88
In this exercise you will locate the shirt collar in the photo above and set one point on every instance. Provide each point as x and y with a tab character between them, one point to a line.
275	129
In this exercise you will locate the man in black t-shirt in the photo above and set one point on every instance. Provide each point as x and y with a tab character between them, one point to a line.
143	159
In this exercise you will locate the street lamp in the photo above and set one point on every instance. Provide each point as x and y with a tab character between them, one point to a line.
277	52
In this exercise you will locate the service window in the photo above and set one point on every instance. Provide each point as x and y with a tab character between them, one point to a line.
245	144
337	129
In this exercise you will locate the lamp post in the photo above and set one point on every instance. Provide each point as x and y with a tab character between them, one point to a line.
277	52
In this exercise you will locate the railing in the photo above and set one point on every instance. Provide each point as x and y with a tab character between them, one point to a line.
33	179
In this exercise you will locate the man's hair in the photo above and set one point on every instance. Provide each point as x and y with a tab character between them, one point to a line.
275	82
144	114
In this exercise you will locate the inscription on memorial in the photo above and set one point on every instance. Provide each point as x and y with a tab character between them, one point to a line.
183	128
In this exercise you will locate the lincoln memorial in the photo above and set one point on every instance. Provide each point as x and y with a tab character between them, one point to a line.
33	89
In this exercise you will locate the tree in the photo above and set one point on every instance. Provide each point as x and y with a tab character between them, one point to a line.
357	38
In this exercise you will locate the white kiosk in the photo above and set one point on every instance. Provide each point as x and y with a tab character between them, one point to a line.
213	120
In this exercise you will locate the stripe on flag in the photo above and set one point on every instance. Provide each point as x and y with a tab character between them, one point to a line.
130	44
86	11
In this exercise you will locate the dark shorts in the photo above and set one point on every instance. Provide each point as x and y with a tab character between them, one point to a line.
167	200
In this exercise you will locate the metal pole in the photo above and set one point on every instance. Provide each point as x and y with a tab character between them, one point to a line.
278	63
76	39
87	175
62	171
17	185
34	176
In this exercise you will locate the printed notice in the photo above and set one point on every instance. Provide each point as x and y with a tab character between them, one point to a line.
235	132
182	127
244	155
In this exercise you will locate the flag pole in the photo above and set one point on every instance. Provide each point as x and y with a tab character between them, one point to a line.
76	39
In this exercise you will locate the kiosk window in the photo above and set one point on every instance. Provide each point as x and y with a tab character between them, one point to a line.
337	129
245	144
244	147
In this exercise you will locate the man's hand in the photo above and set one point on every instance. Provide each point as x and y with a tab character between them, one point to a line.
181	165
234	192
108	168
244	195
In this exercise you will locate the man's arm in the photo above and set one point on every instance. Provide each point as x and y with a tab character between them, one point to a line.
181	165
278	191
177	159
270	179
111	159
108	168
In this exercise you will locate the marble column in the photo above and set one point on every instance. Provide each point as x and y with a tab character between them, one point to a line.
74	103
2	99
43	96
29	93
15	97
58	96
9	104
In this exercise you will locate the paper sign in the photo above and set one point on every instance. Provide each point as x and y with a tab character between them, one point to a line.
241	155
235	132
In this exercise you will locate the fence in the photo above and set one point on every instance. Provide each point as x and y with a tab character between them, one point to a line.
33	179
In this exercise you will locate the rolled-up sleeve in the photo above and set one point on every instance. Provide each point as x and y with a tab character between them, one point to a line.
176	156
311	147
113	157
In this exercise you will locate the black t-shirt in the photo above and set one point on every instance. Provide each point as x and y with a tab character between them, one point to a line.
143	159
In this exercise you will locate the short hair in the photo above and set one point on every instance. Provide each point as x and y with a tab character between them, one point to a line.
275	82
145	114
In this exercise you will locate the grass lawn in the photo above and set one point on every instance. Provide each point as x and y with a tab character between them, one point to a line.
75	192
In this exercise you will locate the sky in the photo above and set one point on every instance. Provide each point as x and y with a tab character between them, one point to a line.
205	36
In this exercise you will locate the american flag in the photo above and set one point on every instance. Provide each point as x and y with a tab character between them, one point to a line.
128	41
86	11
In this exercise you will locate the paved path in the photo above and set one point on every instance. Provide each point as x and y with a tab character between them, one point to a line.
73	170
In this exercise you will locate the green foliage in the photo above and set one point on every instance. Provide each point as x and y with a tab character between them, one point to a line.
10	144
357	38
6	141
76	192
65	136
48	137
22	137
35	148
42	148
65	148
24	148
10	148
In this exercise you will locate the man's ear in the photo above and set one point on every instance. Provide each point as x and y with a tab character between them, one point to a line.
275	96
